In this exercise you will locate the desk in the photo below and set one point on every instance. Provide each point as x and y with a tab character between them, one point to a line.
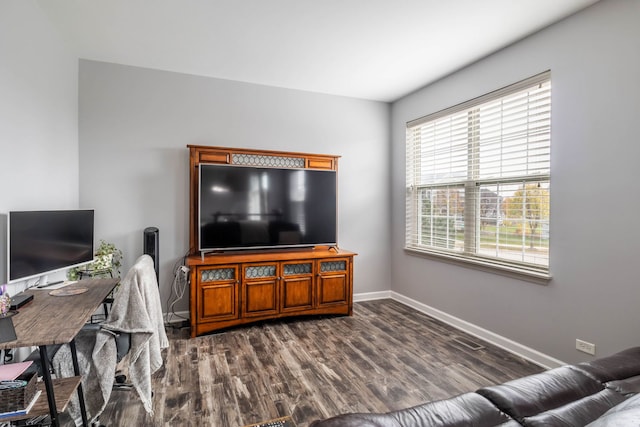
51	320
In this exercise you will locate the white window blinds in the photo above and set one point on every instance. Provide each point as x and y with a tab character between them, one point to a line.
478	178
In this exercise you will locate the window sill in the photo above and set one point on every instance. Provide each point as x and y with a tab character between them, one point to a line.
516	272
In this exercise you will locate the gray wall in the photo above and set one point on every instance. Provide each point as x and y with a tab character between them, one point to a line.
135	123
38	117
594	58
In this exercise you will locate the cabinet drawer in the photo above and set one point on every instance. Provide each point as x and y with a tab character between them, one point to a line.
296	286
218	302
260	289
333	282
217	293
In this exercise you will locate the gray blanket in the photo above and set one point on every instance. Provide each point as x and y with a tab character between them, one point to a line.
136	310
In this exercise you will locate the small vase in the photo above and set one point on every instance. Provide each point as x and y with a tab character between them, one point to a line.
5	304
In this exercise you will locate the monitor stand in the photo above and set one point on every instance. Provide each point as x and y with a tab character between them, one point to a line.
44	282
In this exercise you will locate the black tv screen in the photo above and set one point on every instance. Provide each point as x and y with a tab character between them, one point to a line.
42	242
251	207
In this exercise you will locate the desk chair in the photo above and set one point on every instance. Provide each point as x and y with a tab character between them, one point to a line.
135	320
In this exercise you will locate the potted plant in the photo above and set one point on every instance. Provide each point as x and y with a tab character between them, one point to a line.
108	259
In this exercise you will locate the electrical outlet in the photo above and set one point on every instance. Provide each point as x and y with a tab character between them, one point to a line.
184	273
585	347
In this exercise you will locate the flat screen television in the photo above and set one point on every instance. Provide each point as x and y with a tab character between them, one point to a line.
43	242
243	207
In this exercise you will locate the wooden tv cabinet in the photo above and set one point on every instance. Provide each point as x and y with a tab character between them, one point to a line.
234	288
239	288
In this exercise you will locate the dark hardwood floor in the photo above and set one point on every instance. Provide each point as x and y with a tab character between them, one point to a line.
386	356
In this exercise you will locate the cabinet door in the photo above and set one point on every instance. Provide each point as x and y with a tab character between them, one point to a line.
333	282
297	286
260	284
217	297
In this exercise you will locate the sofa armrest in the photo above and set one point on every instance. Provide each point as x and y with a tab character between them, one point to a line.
624	364
531	395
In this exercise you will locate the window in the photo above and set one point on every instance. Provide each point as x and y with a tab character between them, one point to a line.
478	179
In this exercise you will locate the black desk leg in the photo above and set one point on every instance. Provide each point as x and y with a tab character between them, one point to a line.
48	385
76	371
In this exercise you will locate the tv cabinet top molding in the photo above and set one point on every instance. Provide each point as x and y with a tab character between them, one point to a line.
266	158
245	157
245	257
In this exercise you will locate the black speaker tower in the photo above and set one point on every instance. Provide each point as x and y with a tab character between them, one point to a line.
151	245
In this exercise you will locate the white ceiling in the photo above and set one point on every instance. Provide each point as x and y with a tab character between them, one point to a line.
370	49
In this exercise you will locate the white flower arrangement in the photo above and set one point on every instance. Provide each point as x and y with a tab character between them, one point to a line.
5	301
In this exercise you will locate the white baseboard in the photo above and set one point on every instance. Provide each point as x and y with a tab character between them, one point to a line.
511	346
370	296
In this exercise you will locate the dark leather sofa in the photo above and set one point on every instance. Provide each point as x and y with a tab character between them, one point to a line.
600	393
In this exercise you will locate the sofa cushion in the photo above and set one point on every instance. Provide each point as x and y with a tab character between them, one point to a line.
623	415
578	413
460	411
531	395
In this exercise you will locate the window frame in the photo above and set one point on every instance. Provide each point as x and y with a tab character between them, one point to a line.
472	184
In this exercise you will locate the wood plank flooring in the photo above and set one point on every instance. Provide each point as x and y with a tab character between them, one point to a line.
386	356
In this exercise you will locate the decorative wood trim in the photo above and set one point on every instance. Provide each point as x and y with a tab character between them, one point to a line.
215	157
325	163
